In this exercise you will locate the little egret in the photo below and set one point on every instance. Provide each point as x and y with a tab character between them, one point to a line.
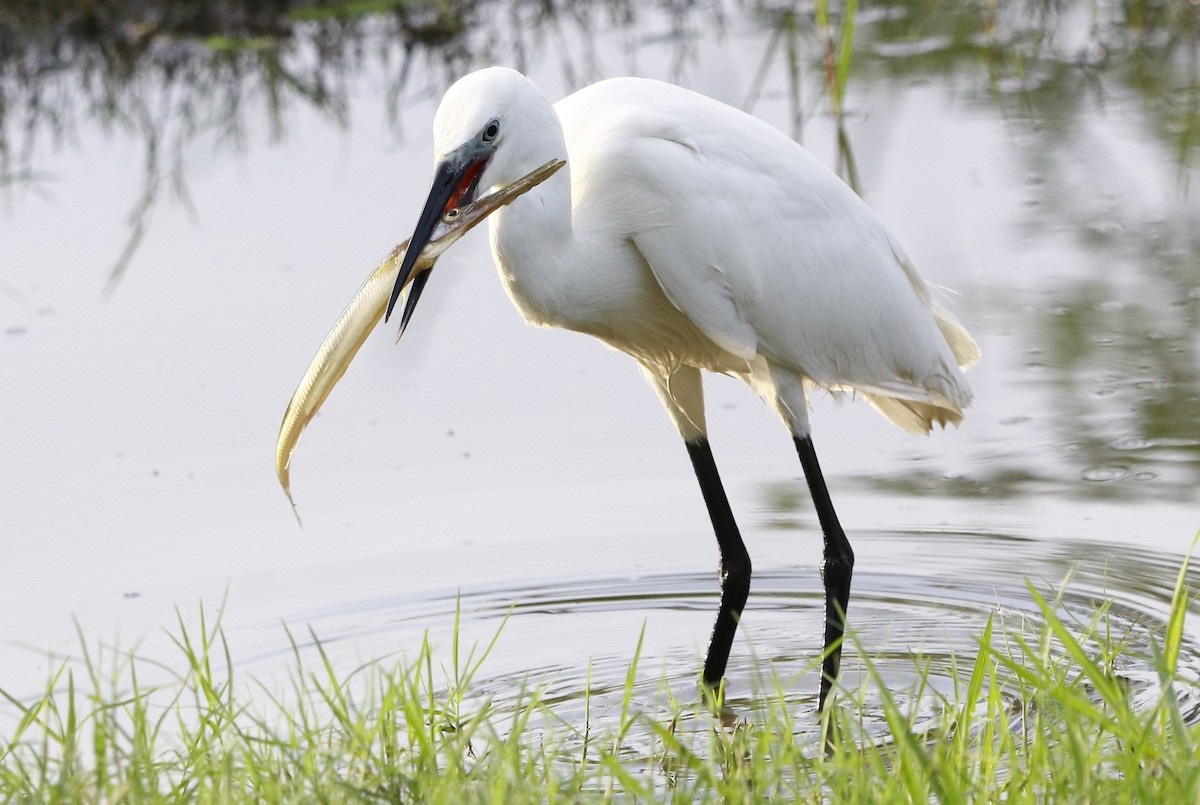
693	236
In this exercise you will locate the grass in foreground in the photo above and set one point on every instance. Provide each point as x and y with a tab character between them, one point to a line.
1043	715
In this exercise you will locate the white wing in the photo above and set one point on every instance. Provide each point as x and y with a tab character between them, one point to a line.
768	252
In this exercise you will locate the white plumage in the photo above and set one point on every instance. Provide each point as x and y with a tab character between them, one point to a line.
693	237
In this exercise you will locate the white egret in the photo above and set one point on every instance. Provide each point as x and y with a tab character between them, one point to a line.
693	236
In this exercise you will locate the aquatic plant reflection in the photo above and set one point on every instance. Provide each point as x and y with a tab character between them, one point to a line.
1117	350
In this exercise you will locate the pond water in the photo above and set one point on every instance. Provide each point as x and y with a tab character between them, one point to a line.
1041	166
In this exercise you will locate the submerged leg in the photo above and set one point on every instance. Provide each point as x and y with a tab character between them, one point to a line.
836	568
681	394
734	569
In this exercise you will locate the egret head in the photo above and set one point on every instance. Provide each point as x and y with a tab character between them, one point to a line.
485	136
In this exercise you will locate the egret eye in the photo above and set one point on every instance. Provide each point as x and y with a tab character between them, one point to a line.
451	214
491	131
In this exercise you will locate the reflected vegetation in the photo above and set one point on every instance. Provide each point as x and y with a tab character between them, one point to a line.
1115	343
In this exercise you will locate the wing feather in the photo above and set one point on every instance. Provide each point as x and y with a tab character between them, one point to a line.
766	251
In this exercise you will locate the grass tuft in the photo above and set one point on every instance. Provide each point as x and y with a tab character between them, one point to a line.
1042	712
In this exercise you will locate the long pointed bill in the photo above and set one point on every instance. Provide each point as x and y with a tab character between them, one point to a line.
410	304
454	182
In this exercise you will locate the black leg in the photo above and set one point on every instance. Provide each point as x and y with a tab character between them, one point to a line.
836	568
734	570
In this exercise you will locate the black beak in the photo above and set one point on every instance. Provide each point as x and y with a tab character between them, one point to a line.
414	293
454	184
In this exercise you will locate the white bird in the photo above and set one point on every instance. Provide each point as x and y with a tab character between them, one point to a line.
693	236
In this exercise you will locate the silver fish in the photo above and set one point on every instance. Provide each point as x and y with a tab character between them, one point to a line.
365	310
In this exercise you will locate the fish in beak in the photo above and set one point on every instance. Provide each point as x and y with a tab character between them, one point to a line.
366	308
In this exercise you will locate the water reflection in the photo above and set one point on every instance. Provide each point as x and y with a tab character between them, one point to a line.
177	74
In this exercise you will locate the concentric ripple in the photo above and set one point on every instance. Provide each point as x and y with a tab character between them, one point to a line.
573	639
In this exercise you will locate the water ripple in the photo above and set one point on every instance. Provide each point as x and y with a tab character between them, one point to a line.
919	617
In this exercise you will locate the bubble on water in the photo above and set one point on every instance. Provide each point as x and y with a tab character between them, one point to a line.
1101	474
1145	475
1130	443
1164	441
914	47
1105	227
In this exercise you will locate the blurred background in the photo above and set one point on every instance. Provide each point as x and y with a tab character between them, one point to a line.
189	193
